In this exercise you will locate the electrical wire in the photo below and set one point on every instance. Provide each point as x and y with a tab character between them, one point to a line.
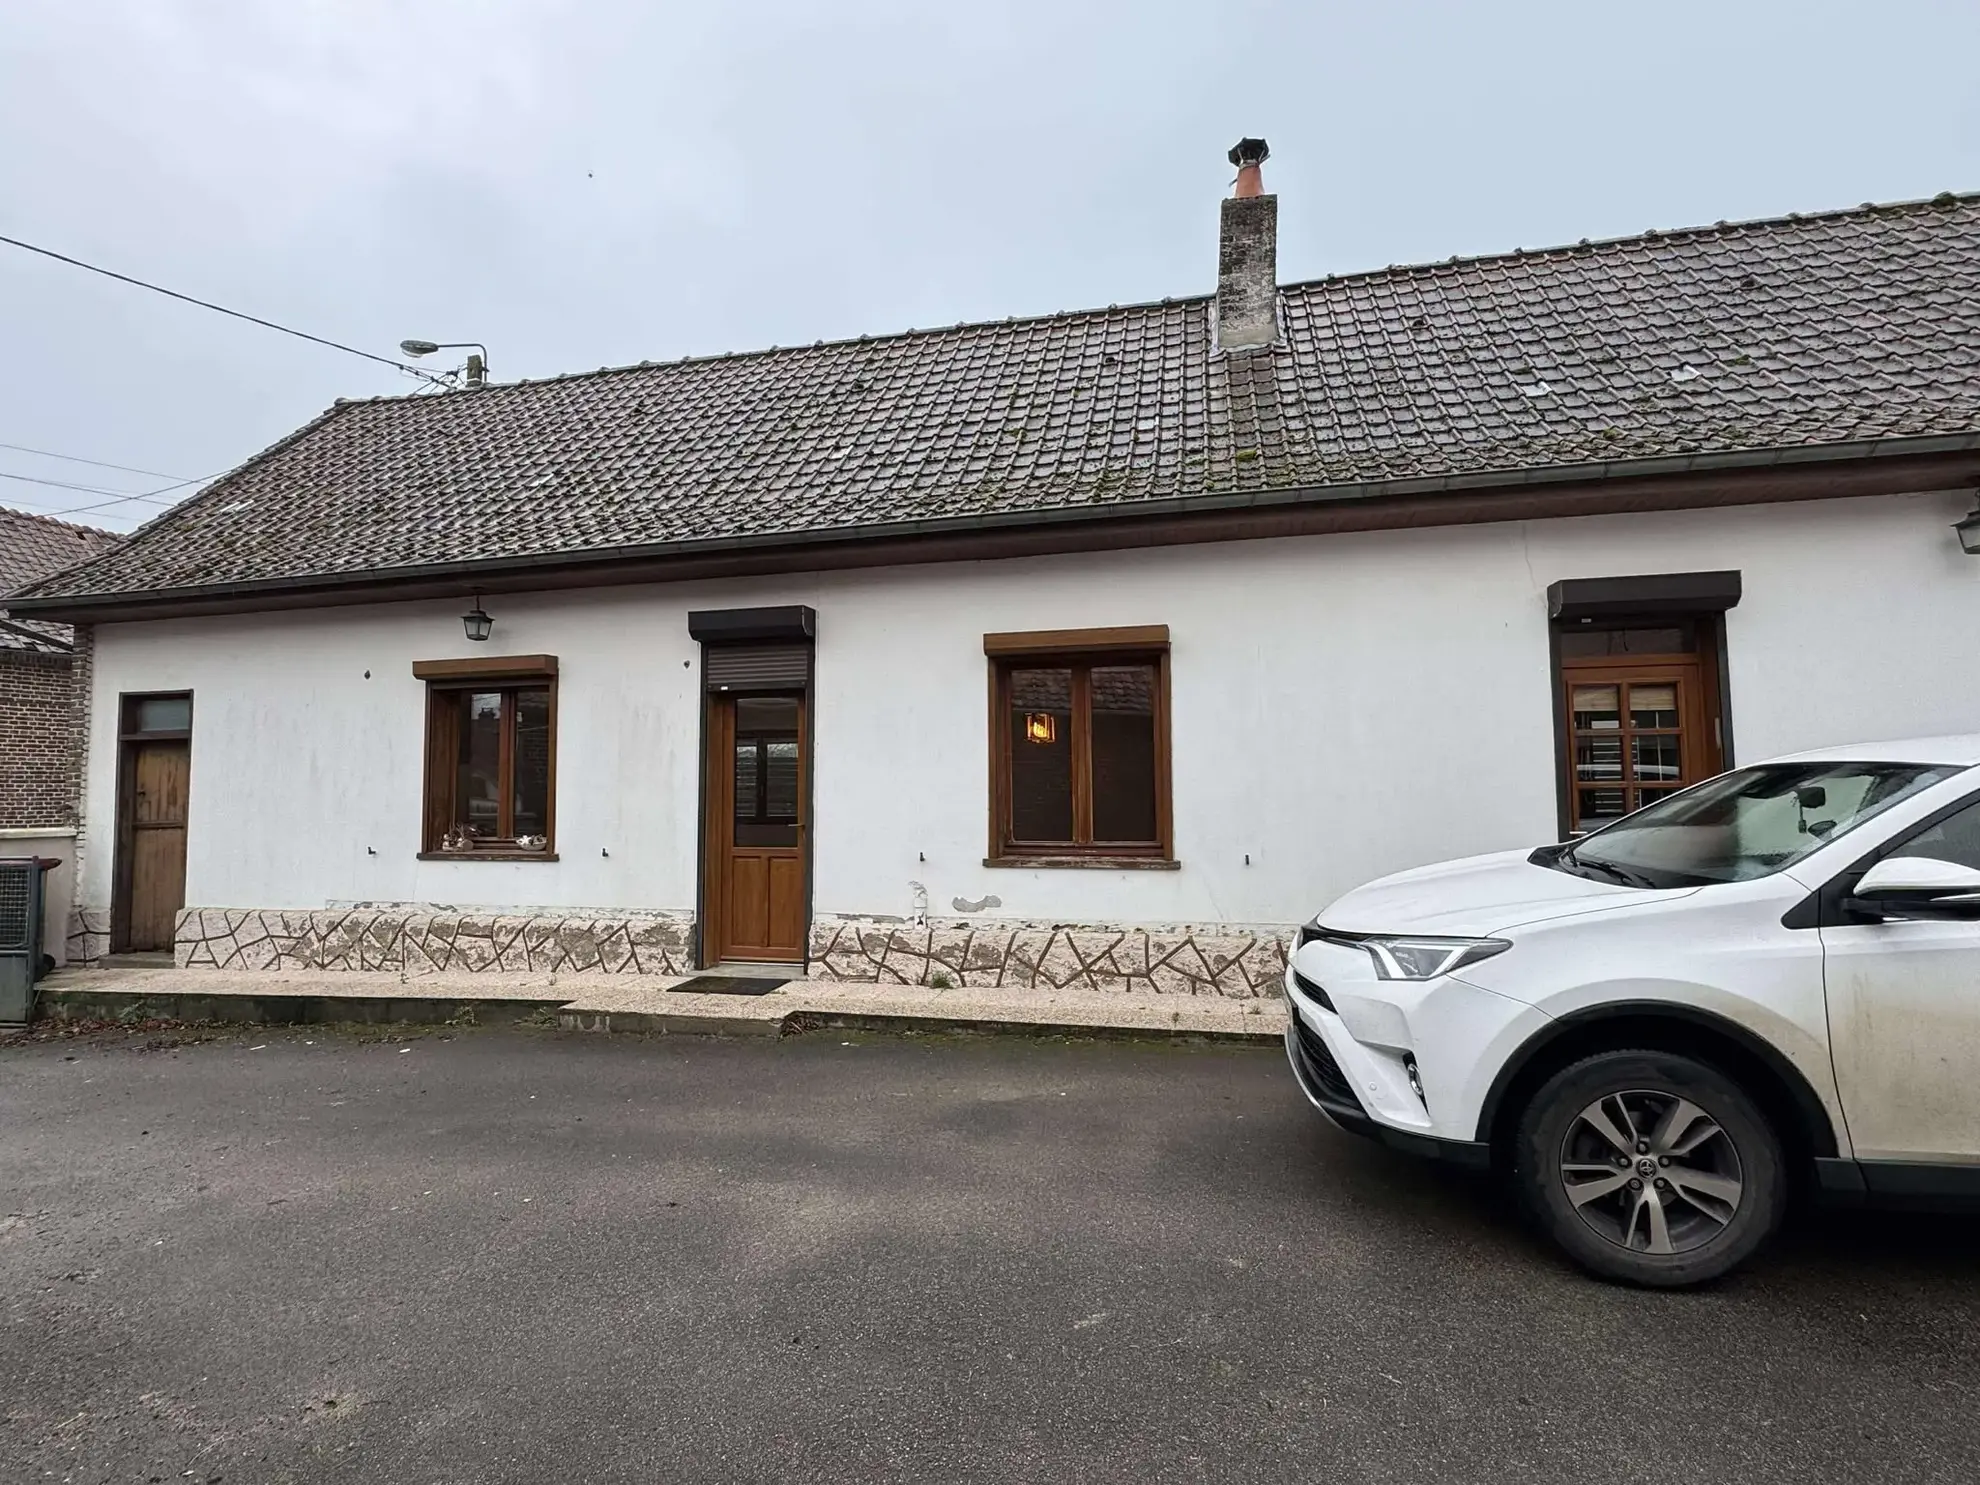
29	479
150	495
21	448
123	278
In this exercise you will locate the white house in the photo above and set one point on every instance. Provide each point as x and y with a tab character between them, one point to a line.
1097	647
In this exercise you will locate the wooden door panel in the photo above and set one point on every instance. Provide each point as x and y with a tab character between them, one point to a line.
755	829
749	902
159	778
159	784
785	935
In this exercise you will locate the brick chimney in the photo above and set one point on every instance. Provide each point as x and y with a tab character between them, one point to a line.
1248	257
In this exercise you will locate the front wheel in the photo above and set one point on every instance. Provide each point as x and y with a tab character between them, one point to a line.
1650	1168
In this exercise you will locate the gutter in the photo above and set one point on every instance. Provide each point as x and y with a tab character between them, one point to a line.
514	573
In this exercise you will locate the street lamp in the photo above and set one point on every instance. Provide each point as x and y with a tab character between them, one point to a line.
477	366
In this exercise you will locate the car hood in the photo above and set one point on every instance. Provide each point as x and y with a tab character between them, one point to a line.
1474	898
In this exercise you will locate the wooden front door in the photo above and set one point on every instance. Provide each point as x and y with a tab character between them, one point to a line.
1637	731
155	814
758	814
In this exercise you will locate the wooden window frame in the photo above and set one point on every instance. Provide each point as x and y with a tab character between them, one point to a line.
447	680
1706	732
1079	650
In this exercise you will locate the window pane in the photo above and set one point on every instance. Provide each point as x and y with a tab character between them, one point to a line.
756	714
1955	838
1598	760
1676	639
1654	759
780	779
1123	699
532	768
1596	709
478	792
1598	806
748	778
1041	756
1653	706
162	714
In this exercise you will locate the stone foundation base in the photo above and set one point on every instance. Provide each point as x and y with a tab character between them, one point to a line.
1226	960
432	941
89	934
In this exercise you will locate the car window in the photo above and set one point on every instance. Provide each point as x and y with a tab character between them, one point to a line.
1745	824
1955	838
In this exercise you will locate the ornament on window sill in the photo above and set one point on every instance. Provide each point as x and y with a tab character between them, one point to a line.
460	838
532	842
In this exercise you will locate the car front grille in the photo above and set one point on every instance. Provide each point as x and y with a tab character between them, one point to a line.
1313	991
1329	1082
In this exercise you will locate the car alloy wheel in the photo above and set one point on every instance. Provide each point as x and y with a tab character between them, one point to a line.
1651	1172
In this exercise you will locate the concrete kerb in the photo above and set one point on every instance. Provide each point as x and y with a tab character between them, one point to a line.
641	1004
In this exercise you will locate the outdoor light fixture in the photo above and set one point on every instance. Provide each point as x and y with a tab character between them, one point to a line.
1968	527
1041	727
477	366
476	622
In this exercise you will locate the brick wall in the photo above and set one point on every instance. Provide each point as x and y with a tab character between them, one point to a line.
41	730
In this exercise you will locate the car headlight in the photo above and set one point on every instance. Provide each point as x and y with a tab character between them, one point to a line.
1426	958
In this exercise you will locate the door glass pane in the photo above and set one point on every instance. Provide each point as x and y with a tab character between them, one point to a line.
1596	709
1123	753
478	790
1653	706
532	768
162	714
1673	639
1599	806
780	778
1598	760
760	714
749	776
1654	758
1041	756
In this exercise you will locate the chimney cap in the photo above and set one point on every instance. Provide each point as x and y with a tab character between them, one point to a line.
1249	152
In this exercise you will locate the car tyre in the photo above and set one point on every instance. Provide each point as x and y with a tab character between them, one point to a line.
1650	1168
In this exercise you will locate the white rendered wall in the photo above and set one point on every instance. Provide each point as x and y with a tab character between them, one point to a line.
1343	706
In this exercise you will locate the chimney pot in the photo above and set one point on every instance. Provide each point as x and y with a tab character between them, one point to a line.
1248	257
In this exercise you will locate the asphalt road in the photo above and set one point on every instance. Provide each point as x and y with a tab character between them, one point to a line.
541	1258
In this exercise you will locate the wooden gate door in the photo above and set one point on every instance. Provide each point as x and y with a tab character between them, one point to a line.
758	815
156	816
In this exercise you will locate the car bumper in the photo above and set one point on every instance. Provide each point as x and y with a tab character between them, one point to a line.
1321	1055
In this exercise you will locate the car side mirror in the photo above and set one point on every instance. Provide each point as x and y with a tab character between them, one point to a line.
1918	887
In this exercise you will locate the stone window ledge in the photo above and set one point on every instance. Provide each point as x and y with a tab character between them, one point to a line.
1085	863
488	855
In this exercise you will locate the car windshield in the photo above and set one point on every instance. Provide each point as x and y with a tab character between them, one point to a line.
1745	824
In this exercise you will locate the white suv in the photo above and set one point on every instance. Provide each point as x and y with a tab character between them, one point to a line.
1661	1028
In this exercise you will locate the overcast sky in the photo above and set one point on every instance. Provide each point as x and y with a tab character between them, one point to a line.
589	182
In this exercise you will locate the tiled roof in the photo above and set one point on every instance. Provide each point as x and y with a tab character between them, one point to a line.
33	547
1787	333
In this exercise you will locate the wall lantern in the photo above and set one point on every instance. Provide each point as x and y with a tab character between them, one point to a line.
1041	727
1968	527
476	622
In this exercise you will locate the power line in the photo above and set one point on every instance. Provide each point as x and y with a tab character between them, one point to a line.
123	278
21	448
76	510
29	479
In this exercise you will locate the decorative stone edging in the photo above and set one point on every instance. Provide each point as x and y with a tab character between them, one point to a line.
88	937
1227	960
415	941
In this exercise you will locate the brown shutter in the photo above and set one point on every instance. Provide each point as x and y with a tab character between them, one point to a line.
756	667
443	751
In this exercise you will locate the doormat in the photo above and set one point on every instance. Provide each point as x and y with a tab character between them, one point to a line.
725	985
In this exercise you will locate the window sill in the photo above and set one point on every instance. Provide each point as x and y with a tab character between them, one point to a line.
1085	863
490	855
